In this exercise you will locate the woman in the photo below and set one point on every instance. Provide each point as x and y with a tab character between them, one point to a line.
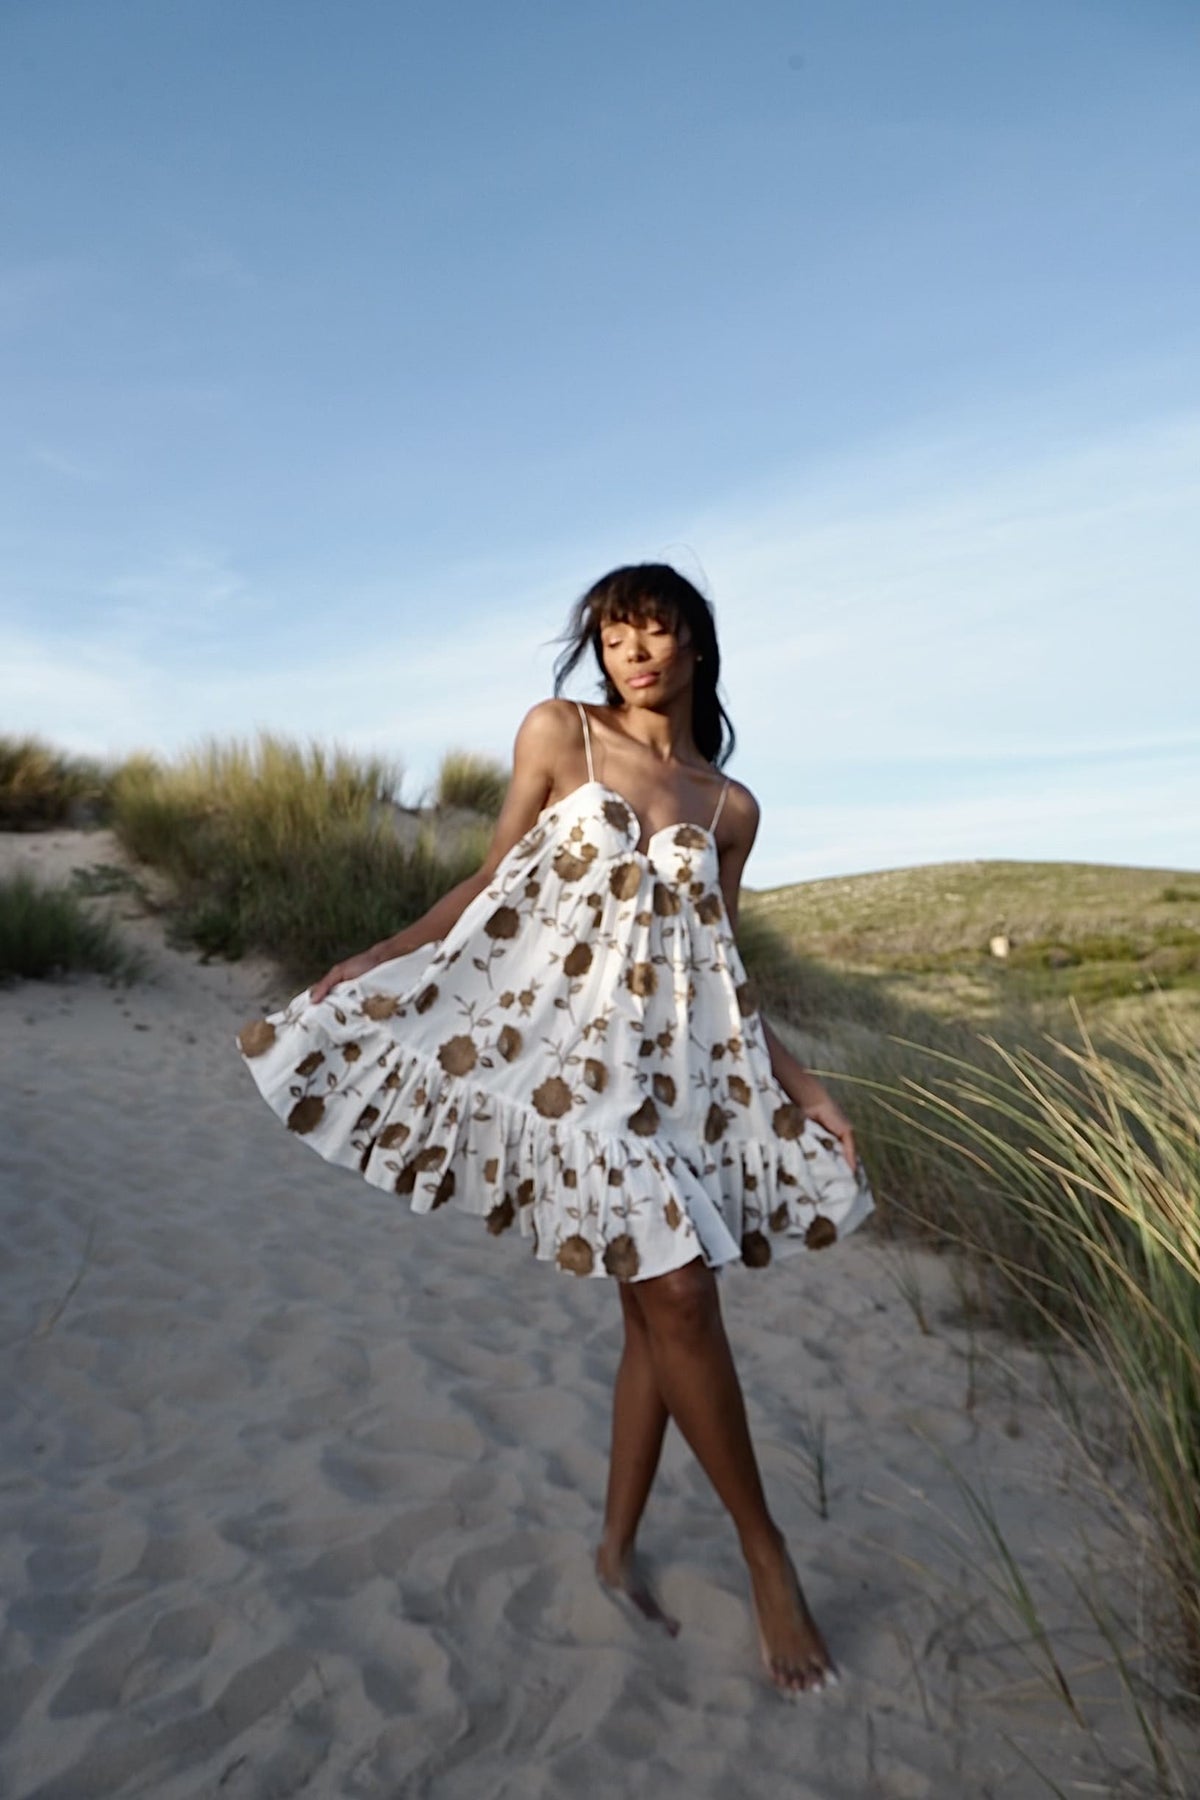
567	1041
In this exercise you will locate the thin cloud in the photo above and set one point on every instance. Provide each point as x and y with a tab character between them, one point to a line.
28	290
1012	612
215	265
58	462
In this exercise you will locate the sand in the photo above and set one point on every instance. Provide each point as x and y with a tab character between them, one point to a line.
299	1493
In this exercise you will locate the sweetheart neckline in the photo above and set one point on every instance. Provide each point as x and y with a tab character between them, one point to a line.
709	833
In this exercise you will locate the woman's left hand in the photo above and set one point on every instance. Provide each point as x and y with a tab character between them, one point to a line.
820	1106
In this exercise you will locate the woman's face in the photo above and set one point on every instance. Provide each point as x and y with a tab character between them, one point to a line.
646	661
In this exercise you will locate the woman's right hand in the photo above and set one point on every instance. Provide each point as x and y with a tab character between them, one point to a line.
350	970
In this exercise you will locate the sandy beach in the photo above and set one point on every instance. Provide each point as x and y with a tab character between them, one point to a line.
299	1493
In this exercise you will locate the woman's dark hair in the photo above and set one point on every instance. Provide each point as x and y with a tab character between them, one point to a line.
633	594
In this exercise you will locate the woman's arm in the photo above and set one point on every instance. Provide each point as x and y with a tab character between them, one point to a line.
542	741
740	820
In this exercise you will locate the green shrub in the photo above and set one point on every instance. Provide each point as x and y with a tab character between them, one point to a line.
282	849
39	785
47	931
476	783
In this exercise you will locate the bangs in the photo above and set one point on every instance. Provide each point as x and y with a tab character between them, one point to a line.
615	608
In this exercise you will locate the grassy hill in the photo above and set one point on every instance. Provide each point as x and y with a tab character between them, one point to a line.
1099	932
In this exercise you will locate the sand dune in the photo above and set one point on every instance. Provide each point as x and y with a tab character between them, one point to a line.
299	1492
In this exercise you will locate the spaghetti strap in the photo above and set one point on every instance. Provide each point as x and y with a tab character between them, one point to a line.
720	804
587	742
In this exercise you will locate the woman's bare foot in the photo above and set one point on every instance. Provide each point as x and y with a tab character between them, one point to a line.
794	1654
620	1576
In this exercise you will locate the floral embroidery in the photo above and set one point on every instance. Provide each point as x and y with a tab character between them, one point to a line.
552	1098
458	1055
569	867
640	978
576	1255
715	1122
645	1120
256	1037
621	1257
578	960
505	922
788	1121
380	1006
756	1250
307	1114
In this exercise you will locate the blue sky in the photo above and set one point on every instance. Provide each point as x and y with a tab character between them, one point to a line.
342	345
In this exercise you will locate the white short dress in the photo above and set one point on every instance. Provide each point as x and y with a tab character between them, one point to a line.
580	1059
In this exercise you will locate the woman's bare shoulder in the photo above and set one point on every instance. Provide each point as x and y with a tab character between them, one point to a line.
549	737
549	727
741	812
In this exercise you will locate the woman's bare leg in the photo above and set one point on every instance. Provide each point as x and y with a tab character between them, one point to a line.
639	1421
698	1383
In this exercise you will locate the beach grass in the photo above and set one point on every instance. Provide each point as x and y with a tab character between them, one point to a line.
248	798
41	786
1080	1169
475	783
48	931
1061	1163
283	848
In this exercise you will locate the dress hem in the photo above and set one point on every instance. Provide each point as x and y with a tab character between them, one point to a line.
594	1202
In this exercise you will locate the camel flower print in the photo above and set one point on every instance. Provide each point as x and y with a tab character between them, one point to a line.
505	922
256	1037
552	1098
458	1055
641	979
578	960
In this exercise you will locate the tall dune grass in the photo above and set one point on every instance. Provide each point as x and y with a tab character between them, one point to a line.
40	786
1093	1152
474	782
1065	1167
255	798
283	848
